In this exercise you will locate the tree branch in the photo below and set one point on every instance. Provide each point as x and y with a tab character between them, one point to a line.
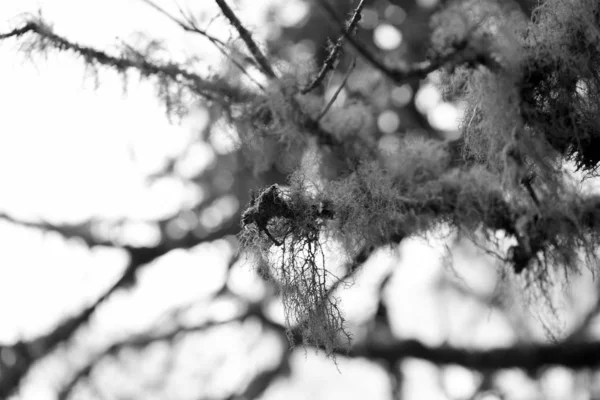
246	36
190	26
27	353
529	357
47	38
137	342
461	54
333	55
526	357
338	91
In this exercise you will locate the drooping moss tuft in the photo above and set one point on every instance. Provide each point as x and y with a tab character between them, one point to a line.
284	229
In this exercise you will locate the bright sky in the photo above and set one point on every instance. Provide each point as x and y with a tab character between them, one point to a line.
66	155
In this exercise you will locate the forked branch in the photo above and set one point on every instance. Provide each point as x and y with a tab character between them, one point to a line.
333	55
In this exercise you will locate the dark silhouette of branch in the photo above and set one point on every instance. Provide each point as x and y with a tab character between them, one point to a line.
46	38
81	231
246	36
27	353
333	55
527	357
261	382
28	27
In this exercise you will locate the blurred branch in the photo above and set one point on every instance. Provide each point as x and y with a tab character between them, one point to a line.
82	231
526	357
27	353
137	343
246	36
47	38
264	379
333	55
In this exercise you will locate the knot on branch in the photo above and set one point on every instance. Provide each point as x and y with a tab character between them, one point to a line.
268	205
273	203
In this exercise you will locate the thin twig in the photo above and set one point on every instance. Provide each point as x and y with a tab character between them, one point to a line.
247	38
192	27
333	55
416	70
189	28
337	92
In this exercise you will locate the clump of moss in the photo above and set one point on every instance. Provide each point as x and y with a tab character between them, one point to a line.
562	83
531	102
549	96
283	229
376	206
269	133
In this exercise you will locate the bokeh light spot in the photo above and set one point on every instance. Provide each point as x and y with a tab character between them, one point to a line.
369	19
401	95
427	3
427	98
388	121
387	37
293	13
395	14
444	116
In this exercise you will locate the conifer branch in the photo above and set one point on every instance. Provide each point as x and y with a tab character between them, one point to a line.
333	55
246	36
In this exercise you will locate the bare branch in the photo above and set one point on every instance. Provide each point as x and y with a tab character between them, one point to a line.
333	55
30	26
461	54
27	353
190	26
527	357
261	382
337	92
246	36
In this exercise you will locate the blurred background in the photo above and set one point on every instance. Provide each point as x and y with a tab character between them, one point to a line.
121	218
